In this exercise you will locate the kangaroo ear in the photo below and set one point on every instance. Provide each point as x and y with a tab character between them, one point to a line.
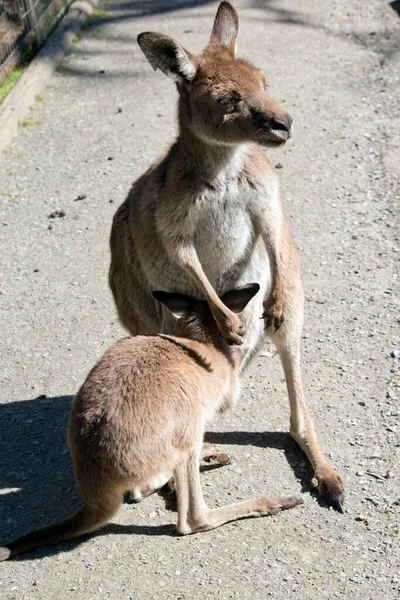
226	27
237	300
166	54
178	304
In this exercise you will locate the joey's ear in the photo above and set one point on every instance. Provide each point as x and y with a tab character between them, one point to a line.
178	304
226	27
237	300
166	54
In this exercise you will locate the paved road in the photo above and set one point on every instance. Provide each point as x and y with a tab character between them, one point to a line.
334	65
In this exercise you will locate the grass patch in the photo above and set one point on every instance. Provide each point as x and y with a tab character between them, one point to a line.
10	81
98	13
27	123
38	97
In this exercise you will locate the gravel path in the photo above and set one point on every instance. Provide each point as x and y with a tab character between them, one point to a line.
335	66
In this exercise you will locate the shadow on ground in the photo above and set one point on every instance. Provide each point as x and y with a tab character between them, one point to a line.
270	439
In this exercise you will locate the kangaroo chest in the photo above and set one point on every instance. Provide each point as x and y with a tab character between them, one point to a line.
223	229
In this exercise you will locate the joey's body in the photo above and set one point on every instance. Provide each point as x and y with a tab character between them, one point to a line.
139	419
208	217
150	419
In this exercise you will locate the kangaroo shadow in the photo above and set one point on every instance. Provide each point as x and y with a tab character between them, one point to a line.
272	439
37	485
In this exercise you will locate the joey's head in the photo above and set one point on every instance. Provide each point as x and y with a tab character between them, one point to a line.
194	316
223	99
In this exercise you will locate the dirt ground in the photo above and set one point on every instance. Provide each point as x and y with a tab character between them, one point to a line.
335	66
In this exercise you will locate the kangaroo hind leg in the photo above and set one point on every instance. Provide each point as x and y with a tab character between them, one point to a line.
194	515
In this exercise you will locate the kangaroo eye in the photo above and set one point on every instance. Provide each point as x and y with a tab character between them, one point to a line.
225	101
228	100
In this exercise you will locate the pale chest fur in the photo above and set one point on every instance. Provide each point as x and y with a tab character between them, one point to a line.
225	229
223	226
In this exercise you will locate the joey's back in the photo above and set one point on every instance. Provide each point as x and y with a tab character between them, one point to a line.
149	376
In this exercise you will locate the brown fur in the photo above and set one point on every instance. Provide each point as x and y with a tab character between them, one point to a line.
207	217
139	419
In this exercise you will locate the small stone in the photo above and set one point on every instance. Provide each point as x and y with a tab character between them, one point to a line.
279	166
395	353
362	516
376	454
110	158
360	473
57	214
389	475
80	197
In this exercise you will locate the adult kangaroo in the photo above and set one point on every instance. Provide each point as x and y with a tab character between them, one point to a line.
207	217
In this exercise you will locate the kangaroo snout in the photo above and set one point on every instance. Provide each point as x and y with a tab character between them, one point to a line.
276	127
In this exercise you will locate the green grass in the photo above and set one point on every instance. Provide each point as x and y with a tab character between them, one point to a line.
98	13
27	123
10	81
38	97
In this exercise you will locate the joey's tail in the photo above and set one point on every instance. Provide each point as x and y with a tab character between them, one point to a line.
85	520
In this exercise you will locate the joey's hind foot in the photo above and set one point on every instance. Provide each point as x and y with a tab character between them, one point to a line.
273	506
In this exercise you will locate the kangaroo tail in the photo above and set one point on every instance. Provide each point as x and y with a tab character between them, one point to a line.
85	520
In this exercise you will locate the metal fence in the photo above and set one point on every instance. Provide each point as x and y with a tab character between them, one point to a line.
24	24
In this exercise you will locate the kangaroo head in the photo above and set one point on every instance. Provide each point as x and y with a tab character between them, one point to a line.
223	99
195	315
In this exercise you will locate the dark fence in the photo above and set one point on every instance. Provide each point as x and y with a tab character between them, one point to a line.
24	24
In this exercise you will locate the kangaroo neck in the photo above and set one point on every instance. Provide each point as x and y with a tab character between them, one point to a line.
207	160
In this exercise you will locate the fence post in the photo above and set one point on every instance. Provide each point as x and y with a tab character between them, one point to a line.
32	19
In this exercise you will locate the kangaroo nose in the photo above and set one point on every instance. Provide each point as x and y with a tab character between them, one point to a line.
282	127
276	124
